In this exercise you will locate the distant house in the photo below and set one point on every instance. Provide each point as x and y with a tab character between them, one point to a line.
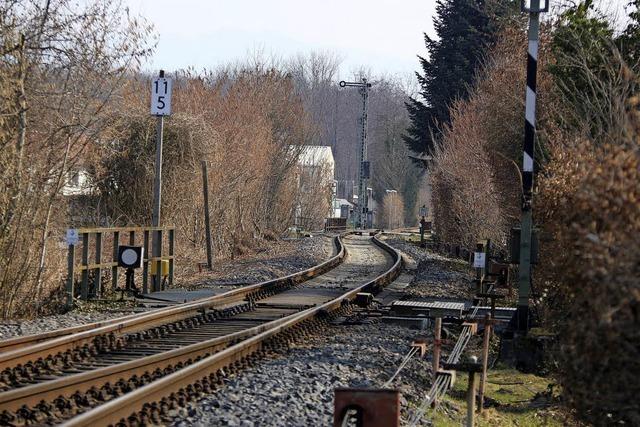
342	208
316	186
78	183
81	197
318	156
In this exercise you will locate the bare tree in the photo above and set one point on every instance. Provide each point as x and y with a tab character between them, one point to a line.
64	83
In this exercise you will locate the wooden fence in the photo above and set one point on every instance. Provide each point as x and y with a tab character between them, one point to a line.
91	240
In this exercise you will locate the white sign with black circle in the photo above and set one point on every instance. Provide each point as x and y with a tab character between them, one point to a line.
130	256
161	96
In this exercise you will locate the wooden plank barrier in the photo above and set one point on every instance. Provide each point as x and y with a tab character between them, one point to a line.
92	241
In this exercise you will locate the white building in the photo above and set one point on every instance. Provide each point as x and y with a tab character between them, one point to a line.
315	156
316	185
341	208
77	183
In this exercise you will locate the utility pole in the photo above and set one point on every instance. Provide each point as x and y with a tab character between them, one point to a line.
160	107
363	171
524	271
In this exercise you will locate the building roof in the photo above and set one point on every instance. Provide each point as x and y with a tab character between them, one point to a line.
342	202
313	155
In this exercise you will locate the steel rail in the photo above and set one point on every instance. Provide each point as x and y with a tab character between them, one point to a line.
119	409
52	343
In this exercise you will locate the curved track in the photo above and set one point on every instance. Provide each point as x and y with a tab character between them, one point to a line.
132	369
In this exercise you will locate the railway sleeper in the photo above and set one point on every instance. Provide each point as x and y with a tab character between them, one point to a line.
63	362
79	402
66	407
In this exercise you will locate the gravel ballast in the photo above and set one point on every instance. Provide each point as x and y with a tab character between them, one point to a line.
273	259
436	276
296	387
15	328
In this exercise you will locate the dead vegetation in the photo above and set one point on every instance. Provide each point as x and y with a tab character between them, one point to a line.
587	204
78	105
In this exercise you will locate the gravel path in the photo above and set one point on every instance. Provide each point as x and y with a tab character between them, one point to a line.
296	388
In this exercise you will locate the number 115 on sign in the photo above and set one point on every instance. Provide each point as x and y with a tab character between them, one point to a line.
161	96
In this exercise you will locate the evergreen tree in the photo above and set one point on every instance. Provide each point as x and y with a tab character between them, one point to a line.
629	41
464	29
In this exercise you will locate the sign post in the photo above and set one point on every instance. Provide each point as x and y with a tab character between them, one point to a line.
72	239
160	106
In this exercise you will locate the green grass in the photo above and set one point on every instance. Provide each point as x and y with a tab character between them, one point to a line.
516	399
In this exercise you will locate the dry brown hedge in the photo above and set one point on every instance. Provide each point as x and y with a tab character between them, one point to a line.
587	204
590	204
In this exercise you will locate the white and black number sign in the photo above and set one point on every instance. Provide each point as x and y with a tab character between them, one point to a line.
161	96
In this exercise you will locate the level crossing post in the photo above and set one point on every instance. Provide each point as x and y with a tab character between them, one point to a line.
524	270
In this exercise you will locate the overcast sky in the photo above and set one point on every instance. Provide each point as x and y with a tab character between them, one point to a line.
382	35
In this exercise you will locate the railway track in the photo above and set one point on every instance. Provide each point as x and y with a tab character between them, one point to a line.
130	370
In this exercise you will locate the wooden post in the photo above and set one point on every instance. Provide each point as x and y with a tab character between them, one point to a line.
84	290
157	279
145	265
114	269
97	282
207	218
172	239
161	283
71	255
485	359
471	367
471	399
436	345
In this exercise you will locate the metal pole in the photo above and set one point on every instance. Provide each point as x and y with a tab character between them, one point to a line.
362	187
361	214
157	200
207	217
524	270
